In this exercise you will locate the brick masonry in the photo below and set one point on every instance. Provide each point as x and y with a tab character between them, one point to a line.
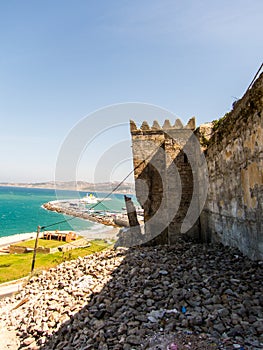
165	184
171	177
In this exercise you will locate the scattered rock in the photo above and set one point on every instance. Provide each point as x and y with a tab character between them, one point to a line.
194	296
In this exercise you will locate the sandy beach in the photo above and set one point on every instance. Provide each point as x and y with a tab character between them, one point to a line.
20	237
103	233
108	233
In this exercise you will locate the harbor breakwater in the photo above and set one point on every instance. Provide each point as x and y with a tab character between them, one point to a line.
72	209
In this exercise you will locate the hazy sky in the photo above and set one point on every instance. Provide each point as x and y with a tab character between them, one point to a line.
60	60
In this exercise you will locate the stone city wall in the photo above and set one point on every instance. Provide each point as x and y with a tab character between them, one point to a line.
233	211
168	181
164	178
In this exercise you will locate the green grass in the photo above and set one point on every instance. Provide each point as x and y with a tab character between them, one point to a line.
14	266
41	243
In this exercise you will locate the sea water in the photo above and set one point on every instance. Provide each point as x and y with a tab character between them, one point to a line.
21	210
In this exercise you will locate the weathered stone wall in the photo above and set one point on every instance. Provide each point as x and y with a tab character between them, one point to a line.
164	178
233	213
170	184
15	249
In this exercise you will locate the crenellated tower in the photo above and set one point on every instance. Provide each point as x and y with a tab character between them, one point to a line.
166	178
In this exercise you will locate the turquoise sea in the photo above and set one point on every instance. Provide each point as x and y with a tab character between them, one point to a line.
21	211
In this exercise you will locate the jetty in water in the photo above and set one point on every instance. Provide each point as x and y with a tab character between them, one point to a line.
77	209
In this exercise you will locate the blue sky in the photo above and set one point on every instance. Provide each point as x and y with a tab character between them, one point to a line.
61	60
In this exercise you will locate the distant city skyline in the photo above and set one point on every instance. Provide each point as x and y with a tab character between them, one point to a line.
61	61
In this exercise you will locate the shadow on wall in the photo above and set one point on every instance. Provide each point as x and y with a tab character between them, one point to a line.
169	193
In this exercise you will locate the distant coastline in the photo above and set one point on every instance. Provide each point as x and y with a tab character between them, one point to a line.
22	210
125	188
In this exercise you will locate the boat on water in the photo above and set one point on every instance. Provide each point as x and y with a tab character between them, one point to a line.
89	199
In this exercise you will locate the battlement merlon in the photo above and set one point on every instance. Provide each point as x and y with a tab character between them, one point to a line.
156	128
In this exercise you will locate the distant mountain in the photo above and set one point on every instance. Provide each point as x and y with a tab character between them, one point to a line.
125	187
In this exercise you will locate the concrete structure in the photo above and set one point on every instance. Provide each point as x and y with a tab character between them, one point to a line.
19	249
216	197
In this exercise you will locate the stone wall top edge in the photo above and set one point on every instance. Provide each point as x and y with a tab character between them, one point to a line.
245	109
156	128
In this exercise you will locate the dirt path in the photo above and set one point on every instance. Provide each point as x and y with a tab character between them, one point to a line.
8	340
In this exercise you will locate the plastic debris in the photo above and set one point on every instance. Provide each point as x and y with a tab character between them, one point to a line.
154	315
175	311
172	346
183	309
152	319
